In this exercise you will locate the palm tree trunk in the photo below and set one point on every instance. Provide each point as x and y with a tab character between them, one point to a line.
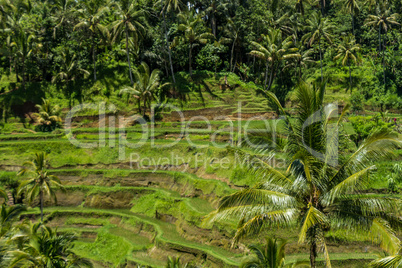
16	70
313	254
271	77
11	64
213	22
266	75
168	48
353	24
139	106
319	46
41	205
23	72
383	58
350	79
231	54
93	55
379	38
189	59
128	57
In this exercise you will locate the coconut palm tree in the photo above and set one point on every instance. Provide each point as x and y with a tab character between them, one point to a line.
8	216
301	62
393	261
189	23
231	32
23	43
318	28
215	8
384	21
45	247
91	15
38	182
167	6
353	8
64	11
131	18
318	192
69	72
145	88
348	52
270	256
274	50
49	115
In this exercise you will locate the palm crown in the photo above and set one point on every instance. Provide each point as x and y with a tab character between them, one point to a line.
315	194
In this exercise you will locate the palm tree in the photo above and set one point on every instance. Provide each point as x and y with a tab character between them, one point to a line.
49	115
215	7
69	71
23	49
348	52
91	16
130	19
38	181
318	28
189	23
393	261
166	7
64	11
44	247
316	193
271	256
301	62
273	49
231	31
8	216
146	86
353	8
383	21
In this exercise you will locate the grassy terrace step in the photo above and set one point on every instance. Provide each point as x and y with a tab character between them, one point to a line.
166	232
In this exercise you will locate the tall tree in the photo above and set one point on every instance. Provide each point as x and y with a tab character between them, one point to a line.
69	72
383	21
317	194
231	32
215	8
348	52
38	182
353	8
131	18
166	6
23	49
145	88
273	50
318	28
190	22
91	15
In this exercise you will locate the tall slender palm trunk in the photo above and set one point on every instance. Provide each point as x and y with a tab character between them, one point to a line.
353	24
189	59
168	48
93	54
266	75
350	79
231	54
319	46
41	205
313	254
128	57
271	77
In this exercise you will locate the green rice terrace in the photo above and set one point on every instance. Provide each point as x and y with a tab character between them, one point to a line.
200	134
149	206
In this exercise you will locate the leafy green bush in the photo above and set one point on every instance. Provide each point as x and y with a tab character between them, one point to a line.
365	125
